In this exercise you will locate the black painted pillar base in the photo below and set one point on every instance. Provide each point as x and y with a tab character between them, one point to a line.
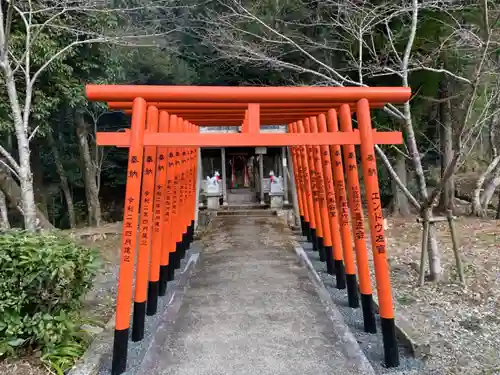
352	291
187	241
138	321
120	347
391	353
314	239
330	266
340	274
178	255
171	267
191	232
153	289
368	313
185	244
308	231
321	249
163	280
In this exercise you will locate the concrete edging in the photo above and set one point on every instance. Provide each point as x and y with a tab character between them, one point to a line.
419	346
89	364
98	354
351	346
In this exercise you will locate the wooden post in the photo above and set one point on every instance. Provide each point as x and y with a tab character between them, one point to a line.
425	243
294	188
261	175
224	173
285	168
162	209
334	262
357	223
143	289
343	208
129	237
379	248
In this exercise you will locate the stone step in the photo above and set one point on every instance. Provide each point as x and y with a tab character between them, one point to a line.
251	206
253	213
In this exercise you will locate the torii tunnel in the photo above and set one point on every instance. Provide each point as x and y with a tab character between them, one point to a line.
161	192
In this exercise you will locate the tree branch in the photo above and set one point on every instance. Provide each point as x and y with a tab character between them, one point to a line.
10	159
396	178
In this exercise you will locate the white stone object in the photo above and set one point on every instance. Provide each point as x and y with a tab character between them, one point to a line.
276	185
213	185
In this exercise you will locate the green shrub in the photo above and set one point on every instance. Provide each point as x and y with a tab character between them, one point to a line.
42	279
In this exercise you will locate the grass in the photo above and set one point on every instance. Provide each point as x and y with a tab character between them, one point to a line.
63	357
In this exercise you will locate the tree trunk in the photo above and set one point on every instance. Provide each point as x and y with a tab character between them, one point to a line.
89	168
497	216
4	212
27	204
489	191
64	180
96	162
492	129
433	250
400	204
38	185
434	256
476	196
88	199
13	192
446	142
4	209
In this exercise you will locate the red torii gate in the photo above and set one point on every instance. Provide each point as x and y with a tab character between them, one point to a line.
164	143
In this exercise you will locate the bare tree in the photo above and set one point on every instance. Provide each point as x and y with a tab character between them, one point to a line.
486	186
489	180
238	32
90	170
64	180
79	20
12	190
400	204
4	212
98	154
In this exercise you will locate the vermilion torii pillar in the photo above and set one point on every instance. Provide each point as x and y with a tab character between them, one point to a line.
251	107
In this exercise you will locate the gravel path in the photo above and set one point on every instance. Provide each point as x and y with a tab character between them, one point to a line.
252	309
371	344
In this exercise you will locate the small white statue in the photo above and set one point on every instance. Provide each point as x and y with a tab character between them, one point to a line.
215	179
213	186
276	183
272	178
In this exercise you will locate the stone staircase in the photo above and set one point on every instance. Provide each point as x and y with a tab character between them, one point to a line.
246	210
242	196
